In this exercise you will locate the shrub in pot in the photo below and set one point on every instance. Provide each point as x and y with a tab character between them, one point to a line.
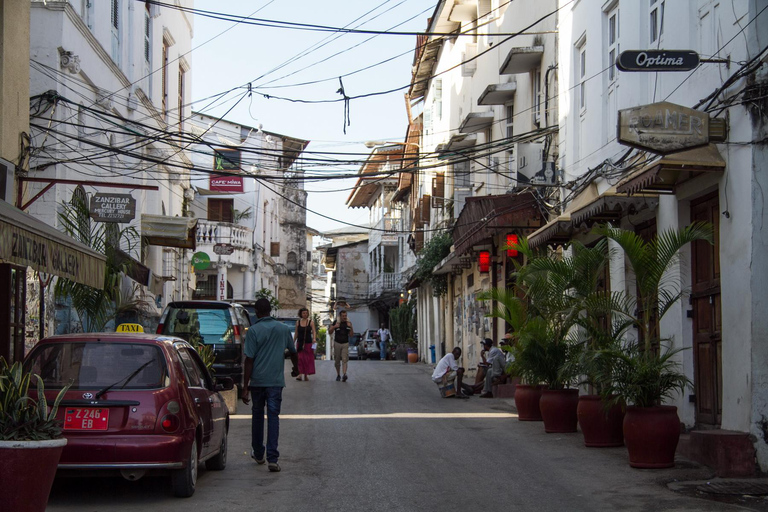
30	441
643	373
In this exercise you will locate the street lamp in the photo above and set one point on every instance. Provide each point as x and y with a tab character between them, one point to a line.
370	144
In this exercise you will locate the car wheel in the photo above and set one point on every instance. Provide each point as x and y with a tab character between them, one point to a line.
184	480
219	462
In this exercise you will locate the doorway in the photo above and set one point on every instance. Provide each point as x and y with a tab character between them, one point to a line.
707	326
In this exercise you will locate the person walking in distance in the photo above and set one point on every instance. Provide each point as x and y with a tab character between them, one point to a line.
383	340
342	330
304	337
264	380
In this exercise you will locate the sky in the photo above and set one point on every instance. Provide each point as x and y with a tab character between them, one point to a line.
231	55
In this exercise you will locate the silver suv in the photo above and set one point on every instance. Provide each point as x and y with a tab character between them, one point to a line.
369	345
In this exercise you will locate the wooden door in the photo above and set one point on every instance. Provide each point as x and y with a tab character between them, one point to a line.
707	328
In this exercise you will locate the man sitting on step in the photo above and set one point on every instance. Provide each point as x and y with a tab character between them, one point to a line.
447	371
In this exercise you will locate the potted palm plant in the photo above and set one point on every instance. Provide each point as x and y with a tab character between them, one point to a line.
30	441
643	372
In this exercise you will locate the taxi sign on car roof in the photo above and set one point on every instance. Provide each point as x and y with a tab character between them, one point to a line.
129	328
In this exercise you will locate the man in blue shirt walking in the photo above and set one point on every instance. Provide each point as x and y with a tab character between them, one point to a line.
264	379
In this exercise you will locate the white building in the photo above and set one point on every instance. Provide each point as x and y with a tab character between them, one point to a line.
250	207
109	82
723	322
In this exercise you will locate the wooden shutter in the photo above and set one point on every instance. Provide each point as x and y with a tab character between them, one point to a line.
220	210
438	190
419	236
274	249
426	209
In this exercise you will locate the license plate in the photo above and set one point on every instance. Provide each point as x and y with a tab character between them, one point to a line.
81	418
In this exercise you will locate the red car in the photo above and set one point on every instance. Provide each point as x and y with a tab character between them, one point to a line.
138	403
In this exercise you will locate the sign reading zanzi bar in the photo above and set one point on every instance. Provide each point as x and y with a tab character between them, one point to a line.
663	127
657	60
113	207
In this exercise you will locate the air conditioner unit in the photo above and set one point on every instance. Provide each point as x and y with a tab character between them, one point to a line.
529	159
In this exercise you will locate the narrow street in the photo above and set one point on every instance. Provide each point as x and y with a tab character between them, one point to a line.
385	440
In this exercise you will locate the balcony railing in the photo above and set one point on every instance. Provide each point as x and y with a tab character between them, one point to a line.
213	232
386	281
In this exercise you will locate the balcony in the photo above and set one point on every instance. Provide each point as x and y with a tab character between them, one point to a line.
385	282
227	236
385	232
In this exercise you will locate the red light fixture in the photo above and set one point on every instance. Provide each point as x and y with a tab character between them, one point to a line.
512	240
484	261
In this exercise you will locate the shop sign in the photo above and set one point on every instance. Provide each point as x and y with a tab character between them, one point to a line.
657	60
227	161
663	128
223	249
227	184
107	207
201	261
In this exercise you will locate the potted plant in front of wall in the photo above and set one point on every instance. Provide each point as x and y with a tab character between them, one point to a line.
30	441
402	323
644	372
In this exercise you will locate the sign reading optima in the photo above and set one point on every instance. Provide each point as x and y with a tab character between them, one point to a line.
663	127
657	60
113	207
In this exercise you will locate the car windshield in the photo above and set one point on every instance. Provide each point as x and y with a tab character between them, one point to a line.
212	325
95	365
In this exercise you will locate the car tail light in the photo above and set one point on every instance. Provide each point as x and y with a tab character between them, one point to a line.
170	423
159	329
236	330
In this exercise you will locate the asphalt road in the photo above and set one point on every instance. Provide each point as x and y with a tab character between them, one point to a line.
386	441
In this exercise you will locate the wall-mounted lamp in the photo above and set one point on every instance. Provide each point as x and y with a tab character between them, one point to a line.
512	240
484	261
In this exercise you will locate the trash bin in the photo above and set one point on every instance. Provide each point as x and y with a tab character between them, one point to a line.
432	352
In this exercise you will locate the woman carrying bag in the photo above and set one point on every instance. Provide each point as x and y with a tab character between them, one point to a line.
304	337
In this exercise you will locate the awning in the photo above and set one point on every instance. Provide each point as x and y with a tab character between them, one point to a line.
133	267
522	60
612	206
27	241
486	216
446	266
498	94
169	231
561	229
665	174
476	122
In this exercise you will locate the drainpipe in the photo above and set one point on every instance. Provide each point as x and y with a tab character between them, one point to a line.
546	94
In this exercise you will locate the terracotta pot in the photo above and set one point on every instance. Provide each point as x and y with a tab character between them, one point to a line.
27	469
413	356
601	428
651	435
558	410
527	402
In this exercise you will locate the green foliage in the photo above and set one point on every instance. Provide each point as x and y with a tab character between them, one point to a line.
96	307
206	352
23	418
321	334
264	293
239	215
402	322
433	252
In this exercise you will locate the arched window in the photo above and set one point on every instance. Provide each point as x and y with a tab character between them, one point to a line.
292	263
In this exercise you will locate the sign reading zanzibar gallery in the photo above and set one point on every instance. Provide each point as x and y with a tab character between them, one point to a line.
107	207
663	128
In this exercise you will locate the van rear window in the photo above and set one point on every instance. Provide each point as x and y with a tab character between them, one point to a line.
212	325
97	365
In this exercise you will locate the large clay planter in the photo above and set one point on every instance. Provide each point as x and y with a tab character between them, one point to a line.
27	469
527	402
601	428
651	435
413	356
558	410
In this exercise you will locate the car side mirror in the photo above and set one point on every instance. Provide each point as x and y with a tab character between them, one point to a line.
224	383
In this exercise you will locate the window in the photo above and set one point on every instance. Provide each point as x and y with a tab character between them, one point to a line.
509	120
461	174
181	100
147	32
536	96
438	99
221	210
274	249
656	22
115	29
612	47
582	77
291	261
164	85
194	378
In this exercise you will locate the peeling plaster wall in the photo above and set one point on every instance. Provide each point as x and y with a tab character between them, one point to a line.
352	280
292	278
